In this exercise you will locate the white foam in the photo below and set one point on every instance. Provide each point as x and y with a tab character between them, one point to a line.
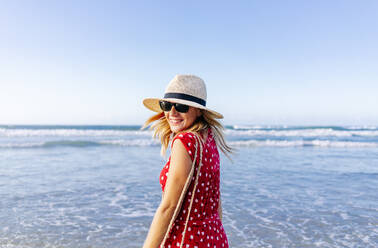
319	132
327	143
287	143
249	131
133	142
258	126
345	216
362	127
241	143
120	142
120	196
69	132
135	213
242	127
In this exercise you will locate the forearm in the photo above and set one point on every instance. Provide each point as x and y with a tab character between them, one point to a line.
220	210
158	227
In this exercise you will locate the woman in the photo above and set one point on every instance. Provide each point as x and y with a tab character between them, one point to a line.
190	213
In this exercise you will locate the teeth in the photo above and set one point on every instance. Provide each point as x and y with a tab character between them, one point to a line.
175	121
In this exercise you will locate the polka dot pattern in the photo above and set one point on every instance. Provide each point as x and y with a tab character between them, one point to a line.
204	228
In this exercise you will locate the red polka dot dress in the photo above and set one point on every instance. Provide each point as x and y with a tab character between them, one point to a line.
204	227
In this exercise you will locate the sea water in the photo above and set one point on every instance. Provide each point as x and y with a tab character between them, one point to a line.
98	186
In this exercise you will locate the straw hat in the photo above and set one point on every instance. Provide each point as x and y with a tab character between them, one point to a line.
185	89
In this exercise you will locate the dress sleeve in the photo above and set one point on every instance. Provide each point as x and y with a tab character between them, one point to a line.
189	142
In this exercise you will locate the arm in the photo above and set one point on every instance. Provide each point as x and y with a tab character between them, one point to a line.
179	170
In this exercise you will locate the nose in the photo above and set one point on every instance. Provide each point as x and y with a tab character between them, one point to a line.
173	110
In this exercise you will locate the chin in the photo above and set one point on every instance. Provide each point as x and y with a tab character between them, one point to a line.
176	129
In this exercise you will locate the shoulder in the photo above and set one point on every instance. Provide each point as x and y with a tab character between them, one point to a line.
185	137
188	140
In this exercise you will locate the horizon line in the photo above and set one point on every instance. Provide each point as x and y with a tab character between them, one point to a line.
289	125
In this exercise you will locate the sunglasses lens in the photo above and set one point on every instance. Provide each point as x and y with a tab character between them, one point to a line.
182	108
165	106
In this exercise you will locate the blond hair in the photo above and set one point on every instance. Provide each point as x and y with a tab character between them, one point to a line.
161	129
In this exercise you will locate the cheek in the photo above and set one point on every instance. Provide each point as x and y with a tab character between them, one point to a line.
192	117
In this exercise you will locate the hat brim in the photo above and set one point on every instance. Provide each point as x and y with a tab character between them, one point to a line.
153	104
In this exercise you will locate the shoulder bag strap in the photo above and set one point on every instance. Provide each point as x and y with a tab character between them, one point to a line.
183	193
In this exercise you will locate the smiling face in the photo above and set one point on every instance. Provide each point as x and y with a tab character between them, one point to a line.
181	121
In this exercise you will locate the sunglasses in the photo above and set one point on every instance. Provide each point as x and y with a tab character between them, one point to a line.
167	106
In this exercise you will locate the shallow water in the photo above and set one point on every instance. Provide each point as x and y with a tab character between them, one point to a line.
302	198
84	194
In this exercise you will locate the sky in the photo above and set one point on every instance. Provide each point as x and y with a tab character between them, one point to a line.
264	62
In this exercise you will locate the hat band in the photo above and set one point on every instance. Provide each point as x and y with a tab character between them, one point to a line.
185	97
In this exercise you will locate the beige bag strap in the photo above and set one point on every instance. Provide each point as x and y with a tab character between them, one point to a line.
183	193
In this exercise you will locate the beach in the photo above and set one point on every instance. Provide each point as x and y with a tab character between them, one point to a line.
98	186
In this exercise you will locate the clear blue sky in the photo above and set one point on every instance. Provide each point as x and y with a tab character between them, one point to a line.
264	62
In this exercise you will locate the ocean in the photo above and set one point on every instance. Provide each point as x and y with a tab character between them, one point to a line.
98	186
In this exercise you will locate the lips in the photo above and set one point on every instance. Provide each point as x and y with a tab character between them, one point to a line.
175	122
